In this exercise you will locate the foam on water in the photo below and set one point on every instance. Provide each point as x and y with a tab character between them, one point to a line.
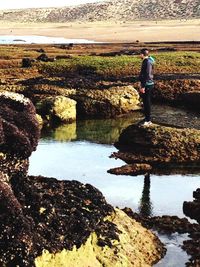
36	39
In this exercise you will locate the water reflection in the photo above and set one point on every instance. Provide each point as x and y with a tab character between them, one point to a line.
65	133
96	131
145	206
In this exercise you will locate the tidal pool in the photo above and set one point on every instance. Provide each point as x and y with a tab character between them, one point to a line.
81	151
88	163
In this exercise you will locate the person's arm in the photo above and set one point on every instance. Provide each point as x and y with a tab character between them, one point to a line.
143	76
148	71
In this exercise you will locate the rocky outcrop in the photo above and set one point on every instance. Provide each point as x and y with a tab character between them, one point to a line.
57	109
43	219
27	62
131	249
62	220
43	57
192	208
174	90
19	134
131	169
108	103
158	144
19	131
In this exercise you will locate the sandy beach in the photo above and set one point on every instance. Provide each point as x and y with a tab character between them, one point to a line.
143	31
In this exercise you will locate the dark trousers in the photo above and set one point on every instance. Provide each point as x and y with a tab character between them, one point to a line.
146	98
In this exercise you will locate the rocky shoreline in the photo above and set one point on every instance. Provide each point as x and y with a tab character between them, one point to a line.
46	221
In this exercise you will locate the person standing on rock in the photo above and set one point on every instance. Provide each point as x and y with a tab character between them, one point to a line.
147	84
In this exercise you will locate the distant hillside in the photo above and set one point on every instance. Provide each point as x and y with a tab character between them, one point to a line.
115	10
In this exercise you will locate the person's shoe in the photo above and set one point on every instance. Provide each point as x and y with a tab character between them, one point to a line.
147	123
141	122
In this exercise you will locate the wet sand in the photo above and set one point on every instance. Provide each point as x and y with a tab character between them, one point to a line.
143	31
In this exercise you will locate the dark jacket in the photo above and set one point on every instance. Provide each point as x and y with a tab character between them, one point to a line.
146	73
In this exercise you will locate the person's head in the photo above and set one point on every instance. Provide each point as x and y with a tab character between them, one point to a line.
144	53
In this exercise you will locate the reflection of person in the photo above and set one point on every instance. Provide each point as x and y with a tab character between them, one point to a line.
147	84
145	207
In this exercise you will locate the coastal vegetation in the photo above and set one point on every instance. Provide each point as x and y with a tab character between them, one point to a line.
122	65
104	63
96	72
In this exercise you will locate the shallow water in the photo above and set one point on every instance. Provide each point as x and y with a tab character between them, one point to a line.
36	39
175	256
80	151
88	163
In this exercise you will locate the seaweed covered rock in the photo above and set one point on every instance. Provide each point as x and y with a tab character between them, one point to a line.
102	101
158	144
61	220
131	169
43	57
192	208
91	103
177	90
133	248
19	132
54	215
108	103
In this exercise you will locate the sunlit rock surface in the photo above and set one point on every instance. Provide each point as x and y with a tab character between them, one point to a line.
107	102
158	144
131	249
57	109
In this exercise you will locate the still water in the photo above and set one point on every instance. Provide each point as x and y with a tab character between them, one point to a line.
80	151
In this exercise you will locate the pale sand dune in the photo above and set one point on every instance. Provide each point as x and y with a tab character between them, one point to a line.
144	31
